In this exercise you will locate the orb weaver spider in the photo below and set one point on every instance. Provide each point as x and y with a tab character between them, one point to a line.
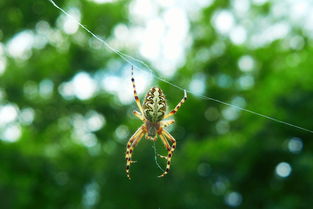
152	113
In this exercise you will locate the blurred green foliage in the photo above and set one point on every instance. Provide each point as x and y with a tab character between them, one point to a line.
219	162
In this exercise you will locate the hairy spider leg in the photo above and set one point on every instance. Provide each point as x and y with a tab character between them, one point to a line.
178	106
133	141
166	123
138	115
164	136
135	92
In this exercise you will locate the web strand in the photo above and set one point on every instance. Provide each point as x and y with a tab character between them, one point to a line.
156	157
132	61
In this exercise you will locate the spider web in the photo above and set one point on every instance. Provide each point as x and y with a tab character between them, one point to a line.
145	67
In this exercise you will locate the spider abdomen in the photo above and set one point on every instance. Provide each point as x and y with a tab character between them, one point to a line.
154	105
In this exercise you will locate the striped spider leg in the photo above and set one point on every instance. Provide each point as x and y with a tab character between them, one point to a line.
177	106
152	113
133	141
164	135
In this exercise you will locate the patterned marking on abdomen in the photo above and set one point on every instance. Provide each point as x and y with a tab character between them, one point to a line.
154	105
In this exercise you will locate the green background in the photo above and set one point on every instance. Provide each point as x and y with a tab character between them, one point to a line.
219	162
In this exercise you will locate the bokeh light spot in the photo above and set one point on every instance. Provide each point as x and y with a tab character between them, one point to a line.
220	185
283	169
230	113
81	86
46	88
238	35
197	85
204	169
8	113
246	82
26	116
222	127
11	133
233	199
21	44
84	86
295	145
224	81
246	63
68	24
212	114
91	194
122	133
223	21
95	121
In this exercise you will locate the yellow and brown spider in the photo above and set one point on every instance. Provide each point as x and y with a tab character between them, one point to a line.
152	113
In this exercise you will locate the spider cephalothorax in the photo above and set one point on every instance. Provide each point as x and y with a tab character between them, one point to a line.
152	113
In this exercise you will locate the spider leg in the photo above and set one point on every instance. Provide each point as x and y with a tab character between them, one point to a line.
138	115
164	136
167	123
164	124
178	106
135	92
166	144
133	141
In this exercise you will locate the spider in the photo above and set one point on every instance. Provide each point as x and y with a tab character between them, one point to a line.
152	113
